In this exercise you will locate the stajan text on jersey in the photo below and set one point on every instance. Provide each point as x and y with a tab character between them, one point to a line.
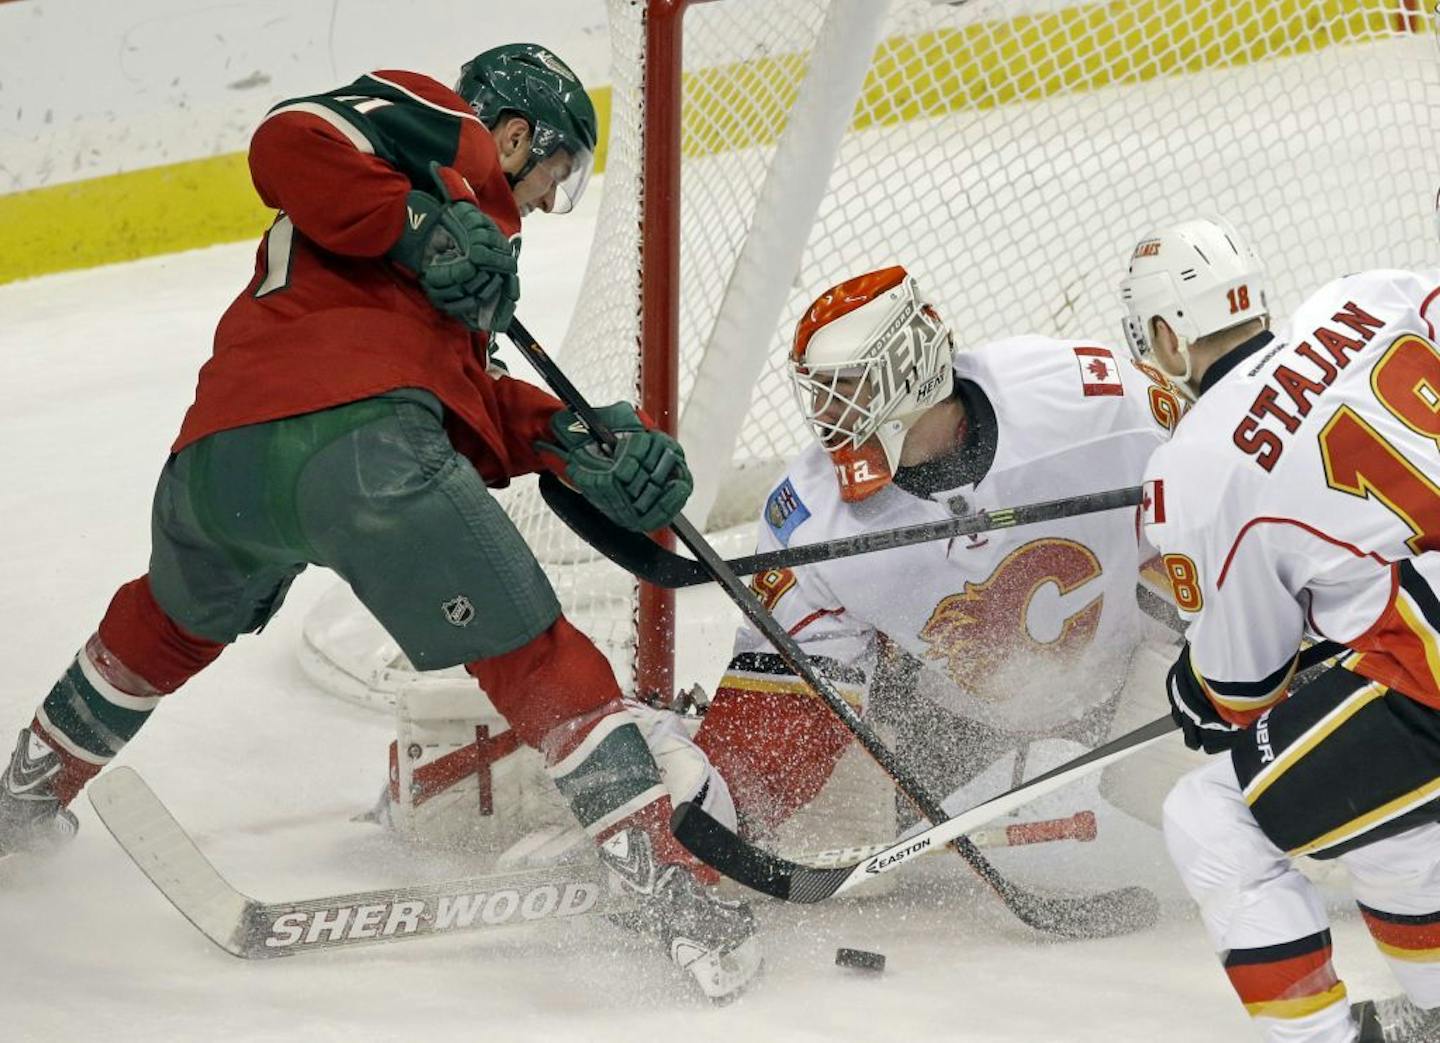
1289	394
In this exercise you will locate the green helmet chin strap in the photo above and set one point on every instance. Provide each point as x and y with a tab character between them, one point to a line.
531	82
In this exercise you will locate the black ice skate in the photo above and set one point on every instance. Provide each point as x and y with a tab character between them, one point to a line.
708	937
1396	1020
31	818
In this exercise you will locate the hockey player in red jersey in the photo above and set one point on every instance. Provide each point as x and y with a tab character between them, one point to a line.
1298	499
976	650
351	416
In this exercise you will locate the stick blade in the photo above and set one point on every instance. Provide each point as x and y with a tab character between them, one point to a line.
165	853
721	849
633	552
1110	914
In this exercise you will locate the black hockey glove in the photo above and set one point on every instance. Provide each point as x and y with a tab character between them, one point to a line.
464	263
1200	723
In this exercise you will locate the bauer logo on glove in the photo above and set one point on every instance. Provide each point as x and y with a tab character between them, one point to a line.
641	484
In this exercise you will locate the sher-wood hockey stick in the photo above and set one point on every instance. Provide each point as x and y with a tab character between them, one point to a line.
642	556
255	930
1091	916
793	882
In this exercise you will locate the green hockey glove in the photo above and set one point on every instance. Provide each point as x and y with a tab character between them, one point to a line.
641	487
463	262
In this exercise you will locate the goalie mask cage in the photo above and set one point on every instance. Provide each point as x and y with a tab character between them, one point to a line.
1010	153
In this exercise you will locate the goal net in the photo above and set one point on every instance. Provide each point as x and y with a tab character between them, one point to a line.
1008	152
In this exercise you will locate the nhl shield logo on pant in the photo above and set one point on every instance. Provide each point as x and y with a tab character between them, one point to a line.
459	611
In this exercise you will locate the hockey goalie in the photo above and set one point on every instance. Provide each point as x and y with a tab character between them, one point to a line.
990	658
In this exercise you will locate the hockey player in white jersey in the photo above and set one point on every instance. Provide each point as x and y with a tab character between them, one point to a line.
1022	634
1299	497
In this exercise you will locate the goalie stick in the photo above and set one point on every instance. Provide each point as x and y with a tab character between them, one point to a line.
1091	916
638	554
791	881
255	930
1081	827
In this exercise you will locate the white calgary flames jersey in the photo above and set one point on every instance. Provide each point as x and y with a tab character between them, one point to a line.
1302	493
1025	628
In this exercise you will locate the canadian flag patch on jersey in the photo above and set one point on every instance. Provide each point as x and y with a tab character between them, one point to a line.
1152	502
1099	375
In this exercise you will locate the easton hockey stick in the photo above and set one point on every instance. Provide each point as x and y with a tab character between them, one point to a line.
791	881
255	930
1095	916
637	553
1081	827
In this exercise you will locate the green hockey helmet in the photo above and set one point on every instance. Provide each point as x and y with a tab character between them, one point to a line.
528	80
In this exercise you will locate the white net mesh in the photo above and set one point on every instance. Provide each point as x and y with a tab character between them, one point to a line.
1010	153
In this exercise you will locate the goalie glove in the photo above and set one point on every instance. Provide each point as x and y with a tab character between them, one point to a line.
640	486
1190	707
463	262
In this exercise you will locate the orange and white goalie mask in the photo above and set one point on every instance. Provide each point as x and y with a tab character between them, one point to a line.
869	357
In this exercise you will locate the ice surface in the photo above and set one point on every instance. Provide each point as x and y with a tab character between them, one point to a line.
98	368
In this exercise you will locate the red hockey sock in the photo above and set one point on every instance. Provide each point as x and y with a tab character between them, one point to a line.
558	677
1292	983
149	643
114	683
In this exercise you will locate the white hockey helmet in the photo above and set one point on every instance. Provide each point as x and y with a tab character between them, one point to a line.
870	355
1201	278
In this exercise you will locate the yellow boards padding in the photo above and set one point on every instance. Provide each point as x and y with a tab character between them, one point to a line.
1085	47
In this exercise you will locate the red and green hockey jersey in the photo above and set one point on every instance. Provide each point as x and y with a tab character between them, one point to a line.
326	319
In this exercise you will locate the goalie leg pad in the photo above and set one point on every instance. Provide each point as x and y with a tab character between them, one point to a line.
1137	785
776	750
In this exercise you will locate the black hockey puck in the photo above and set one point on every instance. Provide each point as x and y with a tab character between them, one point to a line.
860	960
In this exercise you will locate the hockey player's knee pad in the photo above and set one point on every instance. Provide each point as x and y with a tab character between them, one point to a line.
1211	836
